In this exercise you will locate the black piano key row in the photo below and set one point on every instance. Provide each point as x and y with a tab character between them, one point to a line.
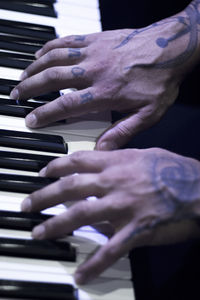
33	141
6	86
45	249
15	60
38	7
25	39
24	161
30	30
17	108
23	221
37	290
23	184
20	44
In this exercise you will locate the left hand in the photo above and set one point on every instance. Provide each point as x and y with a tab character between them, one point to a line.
148	196
111	70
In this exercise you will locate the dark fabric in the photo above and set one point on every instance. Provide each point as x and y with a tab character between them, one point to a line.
117	14
165	272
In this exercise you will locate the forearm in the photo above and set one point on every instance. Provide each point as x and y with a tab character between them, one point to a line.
189	36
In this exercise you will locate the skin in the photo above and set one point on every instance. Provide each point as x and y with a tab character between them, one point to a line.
148	197
133	71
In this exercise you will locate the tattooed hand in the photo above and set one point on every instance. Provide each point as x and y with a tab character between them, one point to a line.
149	197
133	71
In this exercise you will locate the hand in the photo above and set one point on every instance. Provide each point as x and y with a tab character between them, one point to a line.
149	197
131	71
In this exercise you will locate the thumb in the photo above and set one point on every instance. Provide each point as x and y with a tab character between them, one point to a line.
122	131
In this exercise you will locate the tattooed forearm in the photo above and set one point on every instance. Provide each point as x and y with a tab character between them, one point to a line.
190	26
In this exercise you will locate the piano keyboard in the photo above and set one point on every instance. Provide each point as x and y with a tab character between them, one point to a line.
18	159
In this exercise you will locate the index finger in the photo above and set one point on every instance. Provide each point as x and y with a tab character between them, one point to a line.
80	214
75	41
72	104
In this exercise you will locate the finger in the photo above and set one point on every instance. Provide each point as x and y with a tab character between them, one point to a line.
55	57
106	256
77	162
69	188
71	104
75	41
119	245
123	130
51	79
80	214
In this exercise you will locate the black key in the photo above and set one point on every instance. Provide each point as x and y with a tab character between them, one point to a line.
17	108
22	183
6	86
23	161
24	221
21	220
34	1
37	290
21	103
32	141
10	110
27	7
40	32
45	249
20	44
15	60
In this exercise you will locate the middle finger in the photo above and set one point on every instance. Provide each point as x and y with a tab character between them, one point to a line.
51	79
69	188
55	57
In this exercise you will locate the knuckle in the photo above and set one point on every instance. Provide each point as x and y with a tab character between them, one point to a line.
69	182
76	157
47	46
52	55
123	130
52	74
81	210
67	103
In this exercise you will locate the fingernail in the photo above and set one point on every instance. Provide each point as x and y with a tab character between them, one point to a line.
79	278
38	232
24	75
106	146
26	205
37	54
14	94
42	172
31	120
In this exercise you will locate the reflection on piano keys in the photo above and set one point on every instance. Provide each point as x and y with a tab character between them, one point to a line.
74	17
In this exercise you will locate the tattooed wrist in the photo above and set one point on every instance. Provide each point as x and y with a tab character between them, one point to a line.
188	30
178	182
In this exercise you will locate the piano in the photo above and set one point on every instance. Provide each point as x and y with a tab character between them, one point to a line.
20	272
